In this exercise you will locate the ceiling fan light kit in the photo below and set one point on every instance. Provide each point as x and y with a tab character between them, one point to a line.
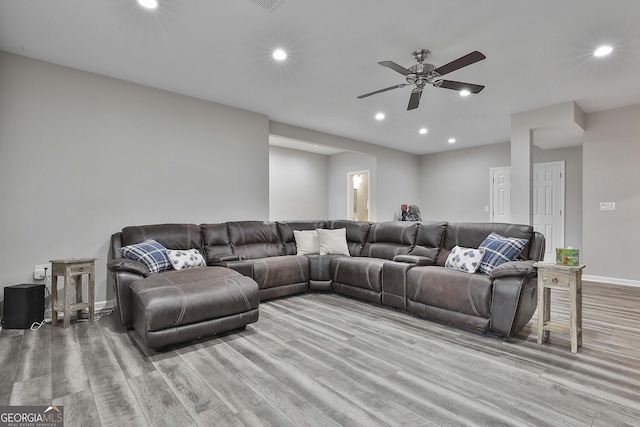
420	74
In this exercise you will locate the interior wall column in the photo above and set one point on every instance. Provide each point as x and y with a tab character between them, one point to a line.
521	174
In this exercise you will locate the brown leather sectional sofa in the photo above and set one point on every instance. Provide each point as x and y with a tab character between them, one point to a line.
398	264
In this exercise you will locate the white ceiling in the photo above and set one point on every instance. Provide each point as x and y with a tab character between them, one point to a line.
538	54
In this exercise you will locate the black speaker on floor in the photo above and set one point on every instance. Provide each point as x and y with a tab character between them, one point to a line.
23	305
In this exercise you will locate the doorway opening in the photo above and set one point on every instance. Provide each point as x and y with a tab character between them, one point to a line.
358	190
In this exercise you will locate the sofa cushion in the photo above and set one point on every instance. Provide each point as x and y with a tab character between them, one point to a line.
450	289
333	242
306	242
429	239
360	272
286	228
388	239
255	239
215	241
464	259
187	258
150	253
498	250
472	234
282	270
357	232
174	236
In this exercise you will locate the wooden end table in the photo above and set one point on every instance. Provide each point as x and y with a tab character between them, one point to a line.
68	268
568	278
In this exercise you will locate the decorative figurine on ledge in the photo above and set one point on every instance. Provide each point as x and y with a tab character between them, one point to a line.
410	213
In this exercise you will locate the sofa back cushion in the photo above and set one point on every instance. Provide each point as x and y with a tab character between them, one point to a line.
286	228
215	240
255	239
171	236
472	234
391	238
357	233
429	239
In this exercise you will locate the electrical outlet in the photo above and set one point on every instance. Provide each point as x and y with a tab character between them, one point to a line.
40	270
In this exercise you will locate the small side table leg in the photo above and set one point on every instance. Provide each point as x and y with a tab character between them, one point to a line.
92	296
573	320
67	298
541	314
54	300
547	308
78	279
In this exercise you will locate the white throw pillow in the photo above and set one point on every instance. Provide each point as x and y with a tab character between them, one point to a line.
464	259
333	242
306	242
185	258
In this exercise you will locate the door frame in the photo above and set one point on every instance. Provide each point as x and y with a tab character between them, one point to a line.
350	188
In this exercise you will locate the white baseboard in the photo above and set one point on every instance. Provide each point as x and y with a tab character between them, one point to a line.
612	280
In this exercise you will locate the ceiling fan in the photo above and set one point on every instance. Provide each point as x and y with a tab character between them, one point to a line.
420	74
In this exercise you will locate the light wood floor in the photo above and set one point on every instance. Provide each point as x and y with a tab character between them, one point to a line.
325	360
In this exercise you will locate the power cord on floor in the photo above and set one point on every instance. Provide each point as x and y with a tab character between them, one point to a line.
37	325
98	315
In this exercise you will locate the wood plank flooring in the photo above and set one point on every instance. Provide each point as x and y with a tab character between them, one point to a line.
327	360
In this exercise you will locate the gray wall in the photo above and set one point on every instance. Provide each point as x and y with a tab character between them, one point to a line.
611	152
83	155
455	184
298	184
394	179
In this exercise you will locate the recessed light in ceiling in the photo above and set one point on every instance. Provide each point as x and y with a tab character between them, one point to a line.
279	55
423	131
465	92
603	51
451	140
380	116
149	4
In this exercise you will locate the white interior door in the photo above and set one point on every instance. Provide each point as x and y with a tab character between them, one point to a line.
548	205
548	202
501	194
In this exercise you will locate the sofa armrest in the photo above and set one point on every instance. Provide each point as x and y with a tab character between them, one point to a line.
414	259
226	258
126	264
520	269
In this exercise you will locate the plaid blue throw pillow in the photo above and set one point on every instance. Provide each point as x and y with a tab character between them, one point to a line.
498	250
150	253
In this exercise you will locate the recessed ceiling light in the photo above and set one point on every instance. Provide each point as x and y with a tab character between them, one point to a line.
465	92
149	4
451	140
279	54
603	51
380	116
423	131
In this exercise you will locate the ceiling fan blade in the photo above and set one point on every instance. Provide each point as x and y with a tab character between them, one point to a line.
395	67
468	59
382	90
414	100
450	84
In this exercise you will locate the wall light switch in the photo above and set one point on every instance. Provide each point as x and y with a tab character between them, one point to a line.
607	206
